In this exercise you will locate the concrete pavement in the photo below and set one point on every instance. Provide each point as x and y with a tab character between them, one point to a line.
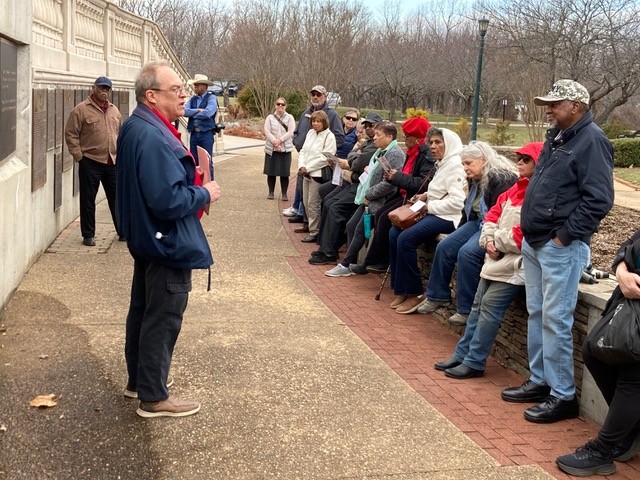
287	390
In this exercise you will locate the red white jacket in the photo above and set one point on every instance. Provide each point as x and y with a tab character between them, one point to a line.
502	226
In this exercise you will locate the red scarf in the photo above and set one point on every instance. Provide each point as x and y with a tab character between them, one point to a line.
198	180
412	154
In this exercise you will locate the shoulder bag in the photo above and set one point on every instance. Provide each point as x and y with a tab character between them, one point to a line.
615	339
406	215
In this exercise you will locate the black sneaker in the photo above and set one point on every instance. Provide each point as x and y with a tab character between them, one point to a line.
358	269
322	259
629	448
586	460
377	268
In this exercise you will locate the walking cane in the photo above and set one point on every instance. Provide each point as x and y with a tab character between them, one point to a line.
384	280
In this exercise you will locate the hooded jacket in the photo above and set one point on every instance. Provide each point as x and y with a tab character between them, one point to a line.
448	187
502	226
571	189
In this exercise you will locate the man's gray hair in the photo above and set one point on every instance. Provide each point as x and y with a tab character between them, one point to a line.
147	79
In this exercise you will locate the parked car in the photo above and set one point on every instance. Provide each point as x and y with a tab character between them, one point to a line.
216	90
630	135
333	99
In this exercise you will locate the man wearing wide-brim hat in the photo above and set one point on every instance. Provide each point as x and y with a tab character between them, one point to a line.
201	109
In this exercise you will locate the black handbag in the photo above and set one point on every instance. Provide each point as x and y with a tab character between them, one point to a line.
615	339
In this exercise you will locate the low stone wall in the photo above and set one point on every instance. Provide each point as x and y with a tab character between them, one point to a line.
510	348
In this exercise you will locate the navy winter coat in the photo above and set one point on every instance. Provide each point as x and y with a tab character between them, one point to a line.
571	189
156	195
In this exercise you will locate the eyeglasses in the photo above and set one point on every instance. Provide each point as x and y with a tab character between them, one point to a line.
316	94
175	90
279	104
353	119
524	158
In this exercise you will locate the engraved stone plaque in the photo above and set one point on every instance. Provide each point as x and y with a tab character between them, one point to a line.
124	105
68	102
79	96
76	179
39	140
57	181
8	97
51	119
59	124
115	98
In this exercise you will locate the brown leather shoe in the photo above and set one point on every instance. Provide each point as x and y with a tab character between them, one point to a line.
398	301
303	229
171	407
410	305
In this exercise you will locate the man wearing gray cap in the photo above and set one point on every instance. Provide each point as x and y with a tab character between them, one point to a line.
91	133
570	192
318	99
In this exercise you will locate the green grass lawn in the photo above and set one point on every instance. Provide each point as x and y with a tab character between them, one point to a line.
631	175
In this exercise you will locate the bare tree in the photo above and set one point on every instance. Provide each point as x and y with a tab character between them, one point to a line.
591	41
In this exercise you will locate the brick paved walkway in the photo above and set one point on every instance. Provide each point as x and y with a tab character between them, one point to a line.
411	344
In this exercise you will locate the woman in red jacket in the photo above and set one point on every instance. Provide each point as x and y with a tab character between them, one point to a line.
501	276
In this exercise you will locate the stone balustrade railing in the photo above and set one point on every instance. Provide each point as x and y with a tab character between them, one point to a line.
74	41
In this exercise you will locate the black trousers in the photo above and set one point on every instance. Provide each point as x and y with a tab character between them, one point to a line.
378	253
90	174
159	296
620	387
337	209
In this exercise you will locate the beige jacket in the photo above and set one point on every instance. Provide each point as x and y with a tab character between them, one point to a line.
92	133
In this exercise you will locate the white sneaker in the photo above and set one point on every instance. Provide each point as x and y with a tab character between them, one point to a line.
431	306
458	319
339	271
290	212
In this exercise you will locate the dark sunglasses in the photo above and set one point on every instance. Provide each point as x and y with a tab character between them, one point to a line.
279	104
316	94
524	158
353	119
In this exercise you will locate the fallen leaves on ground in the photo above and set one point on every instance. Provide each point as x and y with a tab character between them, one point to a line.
44	401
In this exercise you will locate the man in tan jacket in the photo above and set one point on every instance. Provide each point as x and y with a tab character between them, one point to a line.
91	133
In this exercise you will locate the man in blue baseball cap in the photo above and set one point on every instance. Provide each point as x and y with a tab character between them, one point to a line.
91	133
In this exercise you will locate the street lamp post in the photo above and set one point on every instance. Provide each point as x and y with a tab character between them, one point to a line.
483	25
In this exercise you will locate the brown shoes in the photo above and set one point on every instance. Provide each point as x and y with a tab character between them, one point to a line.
410	305
399	300
171	407
303	229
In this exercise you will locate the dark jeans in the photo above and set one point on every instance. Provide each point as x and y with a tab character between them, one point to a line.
461	247
90	175
403	250
378	253
159	296
620	387
204	140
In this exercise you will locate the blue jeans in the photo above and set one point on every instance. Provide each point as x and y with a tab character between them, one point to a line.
297	201
461	246
489	306
204	140
551	275
403	257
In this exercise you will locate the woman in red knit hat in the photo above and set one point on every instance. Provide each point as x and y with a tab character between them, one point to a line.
417	166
